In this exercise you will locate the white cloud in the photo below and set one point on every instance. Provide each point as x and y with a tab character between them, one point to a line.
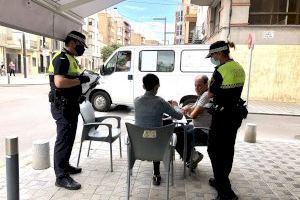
154	30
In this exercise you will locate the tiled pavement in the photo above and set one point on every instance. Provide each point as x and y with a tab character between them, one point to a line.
264	170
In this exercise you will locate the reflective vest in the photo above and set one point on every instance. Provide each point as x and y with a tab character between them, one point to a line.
233	75
74	69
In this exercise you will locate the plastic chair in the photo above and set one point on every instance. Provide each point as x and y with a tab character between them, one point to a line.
90	132
151	144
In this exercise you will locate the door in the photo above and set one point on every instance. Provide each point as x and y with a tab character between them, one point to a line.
118	78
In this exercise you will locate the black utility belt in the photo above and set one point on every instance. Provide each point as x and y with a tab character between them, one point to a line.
239	109
63	99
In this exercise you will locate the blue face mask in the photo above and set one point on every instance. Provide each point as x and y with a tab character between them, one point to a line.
214	61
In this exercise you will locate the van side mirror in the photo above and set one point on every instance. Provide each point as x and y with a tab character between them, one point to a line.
102	70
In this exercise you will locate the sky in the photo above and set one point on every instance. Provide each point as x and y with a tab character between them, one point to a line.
140	14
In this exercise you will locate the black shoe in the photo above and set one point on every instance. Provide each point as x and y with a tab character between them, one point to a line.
212	182
156	179
74	170
197	157
230	196
67	182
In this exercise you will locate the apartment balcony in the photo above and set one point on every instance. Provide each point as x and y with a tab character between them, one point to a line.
191	17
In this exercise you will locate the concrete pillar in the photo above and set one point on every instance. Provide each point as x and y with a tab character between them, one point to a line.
40	154
250	133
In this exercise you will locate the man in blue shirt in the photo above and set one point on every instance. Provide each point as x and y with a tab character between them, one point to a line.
149	110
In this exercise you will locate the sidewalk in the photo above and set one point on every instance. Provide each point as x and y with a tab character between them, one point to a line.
263	170
20	80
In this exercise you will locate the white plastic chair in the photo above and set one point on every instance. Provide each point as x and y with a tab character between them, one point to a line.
90	132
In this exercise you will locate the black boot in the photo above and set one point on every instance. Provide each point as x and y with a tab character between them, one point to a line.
67	182
73	170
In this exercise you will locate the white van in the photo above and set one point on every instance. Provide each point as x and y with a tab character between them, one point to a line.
175	65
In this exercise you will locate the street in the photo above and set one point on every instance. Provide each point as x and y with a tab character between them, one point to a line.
25	112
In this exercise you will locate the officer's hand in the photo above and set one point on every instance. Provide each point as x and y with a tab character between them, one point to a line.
84	79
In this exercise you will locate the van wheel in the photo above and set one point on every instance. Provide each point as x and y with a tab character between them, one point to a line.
101	101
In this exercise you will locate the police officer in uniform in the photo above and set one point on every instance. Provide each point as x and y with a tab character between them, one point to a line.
226	87
65	96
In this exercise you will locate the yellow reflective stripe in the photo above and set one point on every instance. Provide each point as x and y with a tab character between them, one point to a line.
232	74
51	67
74	69
73	66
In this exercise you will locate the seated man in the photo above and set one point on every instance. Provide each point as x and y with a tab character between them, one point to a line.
201	119
149	110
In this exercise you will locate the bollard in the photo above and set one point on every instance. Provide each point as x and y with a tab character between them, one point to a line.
40	154
250	133
12	168
8	79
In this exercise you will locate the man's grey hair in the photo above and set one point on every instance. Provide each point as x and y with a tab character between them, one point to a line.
204	78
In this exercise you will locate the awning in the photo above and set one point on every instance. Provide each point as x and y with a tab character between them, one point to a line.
50	18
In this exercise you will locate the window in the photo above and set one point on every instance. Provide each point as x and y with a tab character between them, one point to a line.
195	61
90	21
34	61
124	61
157	61
271	12
120	62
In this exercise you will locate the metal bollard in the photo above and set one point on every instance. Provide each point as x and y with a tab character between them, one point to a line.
250	133
8	79
12	168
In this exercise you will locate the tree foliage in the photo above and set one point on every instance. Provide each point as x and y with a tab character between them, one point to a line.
108	50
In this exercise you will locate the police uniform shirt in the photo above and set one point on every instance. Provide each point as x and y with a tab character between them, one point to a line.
224	96
61	67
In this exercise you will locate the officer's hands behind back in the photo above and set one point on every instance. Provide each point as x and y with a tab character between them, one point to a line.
84	79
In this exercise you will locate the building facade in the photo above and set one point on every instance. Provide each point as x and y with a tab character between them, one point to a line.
38	51
92	57
114	28
185	24
273	27
137	39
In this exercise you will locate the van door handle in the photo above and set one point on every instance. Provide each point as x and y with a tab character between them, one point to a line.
130	77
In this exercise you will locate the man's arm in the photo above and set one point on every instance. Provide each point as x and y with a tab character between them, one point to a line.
174	111
199	105
61	81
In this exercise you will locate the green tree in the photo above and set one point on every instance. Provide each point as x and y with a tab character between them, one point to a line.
108	50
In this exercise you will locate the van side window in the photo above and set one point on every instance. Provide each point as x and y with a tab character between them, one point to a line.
195	61
157	61
120	62
124	61
109	68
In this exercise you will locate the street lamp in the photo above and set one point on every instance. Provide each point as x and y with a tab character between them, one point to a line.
165	20
24	55
23	52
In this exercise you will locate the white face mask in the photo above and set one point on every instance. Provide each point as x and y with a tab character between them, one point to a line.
213	61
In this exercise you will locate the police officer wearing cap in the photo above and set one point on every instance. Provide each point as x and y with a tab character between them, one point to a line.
225	87
65	96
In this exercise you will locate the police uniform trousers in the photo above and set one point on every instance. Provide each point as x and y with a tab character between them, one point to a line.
66	125
220	149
